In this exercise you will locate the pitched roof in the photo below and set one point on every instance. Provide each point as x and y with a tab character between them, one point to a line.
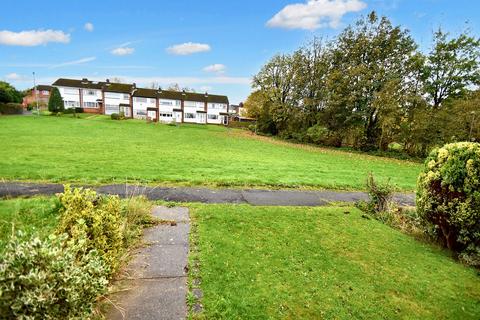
84	83
117	87
141	92
146	93
43	87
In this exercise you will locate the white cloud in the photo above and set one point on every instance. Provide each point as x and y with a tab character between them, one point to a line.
74	62
216	68
314	14
88	26
122	51
13	76
32	38
188	48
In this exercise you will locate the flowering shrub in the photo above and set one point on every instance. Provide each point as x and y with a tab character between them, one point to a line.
50	279
95	218
448	197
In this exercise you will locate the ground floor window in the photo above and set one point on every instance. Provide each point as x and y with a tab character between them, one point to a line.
189	115
71	104
111	108
141	112
166	114
213	116
90	105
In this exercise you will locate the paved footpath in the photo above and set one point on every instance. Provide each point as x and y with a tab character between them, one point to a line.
154	284
205	195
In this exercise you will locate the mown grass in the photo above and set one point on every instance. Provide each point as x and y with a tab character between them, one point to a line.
323	263
95	149
31	216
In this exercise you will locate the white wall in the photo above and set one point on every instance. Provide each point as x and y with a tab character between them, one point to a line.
192	107
166	113
113	100
140	106
90	97
70	96
214	109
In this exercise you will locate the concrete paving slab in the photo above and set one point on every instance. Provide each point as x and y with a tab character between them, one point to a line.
167	235
157	261
152	299
177	214
155	280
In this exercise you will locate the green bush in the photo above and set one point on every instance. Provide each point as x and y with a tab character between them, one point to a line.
115	116
49	279
448	198
11	108
96	218
321	135
73	110
55	101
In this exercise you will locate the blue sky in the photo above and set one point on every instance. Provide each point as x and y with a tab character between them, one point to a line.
207	45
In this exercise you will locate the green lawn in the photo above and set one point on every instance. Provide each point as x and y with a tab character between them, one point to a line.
313	263
35	215
99	150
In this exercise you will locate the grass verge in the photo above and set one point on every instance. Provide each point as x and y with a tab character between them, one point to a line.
328	262
97	150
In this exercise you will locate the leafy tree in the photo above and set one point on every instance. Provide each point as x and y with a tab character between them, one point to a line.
9	94
368	60
451	66
55	102
254	104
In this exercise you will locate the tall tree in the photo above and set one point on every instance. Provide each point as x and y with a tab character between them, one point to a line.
451	67
369	58
8	93
55	102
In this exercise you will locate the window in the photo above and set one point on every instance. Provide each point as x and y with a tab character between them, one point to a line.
112	95
139	99
70	91
45	92
166	102
111	108
141	112
213	116
189	115
194	104
166	115
152	100
126	96
89	92
71	104
90	105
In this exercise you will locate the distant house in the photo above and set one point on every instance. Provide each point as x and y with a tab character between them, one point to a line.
41	96
234	109
141	103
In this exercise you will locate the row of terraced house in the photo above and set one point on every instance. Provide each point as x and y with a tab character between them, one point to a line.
105	97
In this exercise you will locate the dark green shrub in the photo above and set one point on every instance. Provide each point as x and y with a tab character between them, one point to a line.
115	116
98	219
49	279
55	102
448	198
73	110
11	108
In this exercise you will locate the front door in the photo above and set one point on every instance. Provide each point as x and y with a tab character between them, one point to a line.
152	115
